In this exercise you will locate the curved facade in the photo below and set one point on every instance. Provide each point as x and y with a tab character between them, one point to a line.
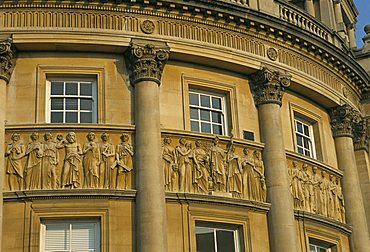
184	126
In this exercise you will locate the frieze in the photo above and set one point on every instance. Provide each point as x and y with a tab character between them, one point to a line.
316	191
51	161
211	167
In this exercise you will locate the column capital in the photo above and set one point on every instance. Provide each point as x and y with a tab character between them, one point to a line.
343	118
147	60
361	134
7	58
268	85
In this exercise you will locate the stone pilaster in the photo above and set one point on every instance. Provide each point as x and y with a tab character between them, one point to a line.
267	87
146	61
344	120
7	63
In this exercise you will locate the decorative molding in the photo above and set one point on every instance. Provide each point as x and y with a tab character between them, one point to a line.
147	60
7	58
272	54
342	120
361	134
147	26
268	85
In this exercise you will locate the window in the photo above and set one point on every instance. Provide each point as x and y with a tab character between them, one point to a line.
217	237
71	100
207	112
70	236
321	246
304	137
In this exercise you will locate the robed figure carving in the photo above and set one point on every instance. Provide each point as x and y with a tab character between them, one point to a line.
50	162
183	152
72	160
123	163
14	153
217	165
259	176
91	162
234	172
249	181
107	175
32	171
201	168
170	167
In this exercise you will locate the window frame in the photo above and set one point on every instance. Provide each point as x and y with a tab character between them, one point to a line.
70	221
321	244
70	78
310	137
199	107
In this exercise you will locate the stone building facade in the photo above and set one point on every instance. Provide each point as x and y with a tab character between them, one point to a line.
140	125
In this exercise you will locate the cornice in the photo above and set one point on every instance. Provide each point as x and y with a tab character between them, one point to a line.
227	14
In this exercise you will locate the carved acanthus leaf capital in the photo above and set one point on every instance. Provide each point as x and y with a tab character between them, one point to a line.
343	119
146	61
268	85
361	134
7	58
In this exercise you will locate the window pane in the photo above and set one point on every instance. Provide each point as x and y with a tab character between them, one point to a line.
194	113
216	103
299	140
306	131
71	104
194	126
86	117
57	237
71	88
86	104
299	127
217	129
205	239
205	115
56	103
57	88
306	143
216	117
83	236
86	89
71	117
205	101
312	248
206	127
300	150
193	99
57	117
225	241
307	153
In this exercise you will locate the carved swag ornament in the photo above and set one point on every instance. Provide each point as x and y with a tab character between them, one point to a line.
146	61
343	120
268	85
7	58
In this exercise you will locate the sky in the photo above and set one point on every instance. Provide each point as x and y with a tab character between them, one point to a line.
363	19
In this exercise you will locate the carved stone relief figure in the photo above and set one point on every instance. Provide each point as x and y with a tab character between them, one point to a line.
183	152
331	197
249	182
340	211
107	177
32	171
50	162
217	166
308	190
201	168
316	181
234	172
324	187
297	190
91	162
72	160
14	153
170	167
259	176
123	163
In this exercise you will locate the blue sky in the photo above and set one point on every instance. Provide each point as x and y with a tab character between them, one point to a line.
363	7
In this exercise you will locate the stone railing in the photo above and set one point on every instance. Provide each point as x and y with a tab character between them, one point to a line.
316	188
222	167
299	18
57	158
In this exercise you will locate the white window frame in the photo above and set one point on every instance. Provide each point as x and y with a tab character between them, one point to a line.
310	138
316	245
222	227
70	222
79	80
223	111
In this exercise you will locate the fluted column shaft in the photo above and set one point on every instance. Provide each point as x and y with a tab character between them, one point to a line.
146	65
267	87
7	63
342	121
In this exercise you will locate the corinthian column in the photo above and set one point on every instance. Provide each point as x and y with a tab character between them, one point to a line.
7	63
267	87
343	119
146	63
